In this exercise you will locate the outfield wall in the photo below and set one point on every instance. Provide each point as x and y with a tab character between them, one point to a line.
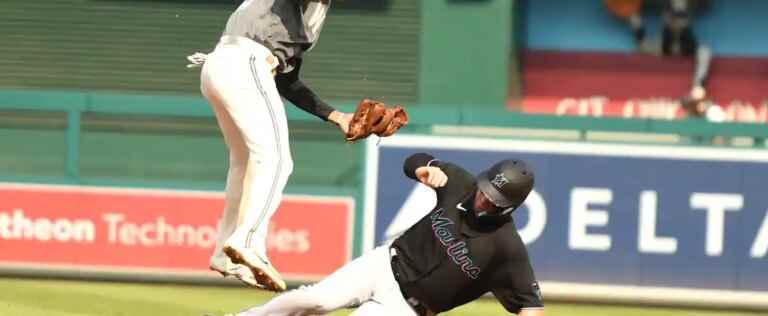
649	204
628	224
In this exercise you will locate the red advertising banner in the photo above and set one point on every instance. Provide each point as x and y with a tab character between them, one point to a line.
110	229
639	86
645	108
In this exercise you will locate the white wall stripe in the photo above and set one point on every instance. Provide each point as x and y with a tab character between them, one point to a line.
577	148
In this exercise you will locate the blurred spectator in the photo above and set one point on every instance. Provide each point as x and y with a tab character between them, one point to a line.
697	105
630	11
677	36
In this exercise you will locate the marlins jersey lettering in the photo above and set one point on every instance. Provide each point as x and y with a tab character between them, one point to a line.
467	256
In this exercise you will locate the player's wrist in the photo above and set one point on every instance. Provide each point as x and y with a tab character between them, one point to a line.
334	117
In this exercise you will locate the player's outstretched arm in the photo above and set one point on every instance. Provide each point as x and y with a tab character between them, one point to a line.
294	90
423	167
433	177
443	176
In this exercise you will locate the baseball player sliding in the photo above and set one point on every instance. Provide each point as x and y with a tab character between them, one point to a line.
466	246
258	60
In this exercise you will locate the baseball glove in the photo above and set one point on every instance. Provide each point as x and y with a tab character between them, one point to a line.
373	117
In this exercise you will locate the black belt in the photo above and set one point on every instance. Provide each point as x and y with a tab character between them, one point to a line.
416	305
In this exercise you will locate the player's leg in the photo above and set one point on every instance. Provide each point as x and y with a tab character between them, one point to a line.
352	285
387	299
702	62
238	156
371	308
251	99
374	308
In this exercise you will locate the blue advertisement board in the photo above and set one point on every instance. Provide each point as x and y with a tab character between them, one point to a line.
602	213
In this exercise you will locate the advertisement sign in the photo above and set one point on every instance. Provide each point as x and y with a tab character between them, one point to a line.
638	85
659	108
174	232
690	217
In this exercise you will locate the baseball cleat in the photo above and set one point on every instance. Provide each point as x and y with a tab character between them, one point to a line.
240	272
263	271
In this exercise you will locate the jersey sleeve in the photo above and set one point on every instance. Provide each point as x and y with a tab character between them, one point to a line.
514	285
416	161
294	90
459	179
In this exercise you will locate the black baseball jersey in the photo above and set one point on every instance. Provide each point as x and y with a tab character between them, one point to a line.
451	256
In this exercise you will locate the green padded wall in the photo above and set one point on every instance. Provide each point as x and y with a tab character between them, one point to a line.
465	61
368	52
139	149
135	45
198	154
104	45
32	152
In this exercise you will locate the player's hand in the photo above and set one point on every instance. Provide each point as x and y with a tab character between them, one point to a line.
431	176
196	60
341	120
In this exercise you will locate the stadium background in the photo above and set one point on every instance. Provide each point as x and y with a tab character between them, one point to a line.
102	124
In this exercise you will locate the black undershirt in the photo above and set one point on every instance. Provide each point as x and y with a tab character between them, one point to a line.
294	90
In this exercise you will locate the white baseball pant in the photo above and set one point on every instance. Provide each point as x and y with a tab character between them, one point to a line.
237	79
366	283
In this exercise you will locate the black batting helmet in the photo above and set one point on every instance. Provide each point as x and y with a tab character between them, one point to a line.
507	183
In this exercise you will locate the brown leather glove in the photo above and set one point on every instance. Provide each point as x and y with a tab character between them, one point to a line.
374	117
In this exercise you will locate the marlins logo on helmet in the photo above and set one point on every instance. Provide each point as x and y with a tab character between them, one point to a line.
500	180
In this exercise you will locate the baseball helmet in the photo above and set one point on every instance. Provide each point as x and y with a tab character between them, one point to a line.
506	184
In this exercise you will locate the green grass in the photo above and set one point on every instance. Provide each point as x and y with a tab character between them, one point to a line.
19	297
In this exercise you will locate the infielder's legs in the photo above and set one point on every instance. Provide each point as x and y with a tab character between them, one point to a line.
366	282
244	82
238	157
